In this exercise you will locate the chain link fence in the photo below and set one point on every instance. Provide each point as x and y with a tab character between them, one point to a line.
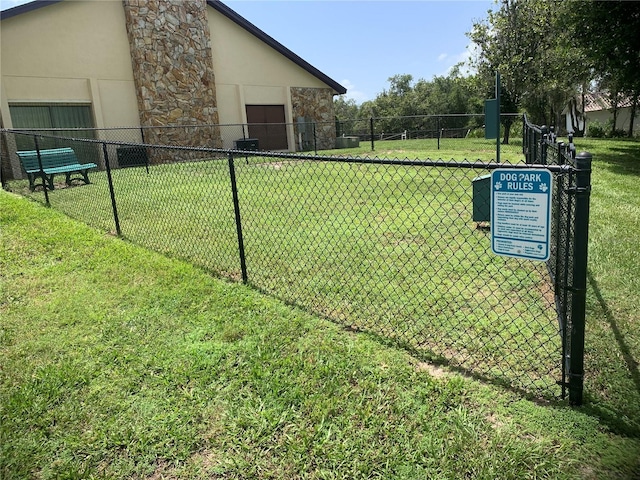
381	245
449	133
567	264
440	132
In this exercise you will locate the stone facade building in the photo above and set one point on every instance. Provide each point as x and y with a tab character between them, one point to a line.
159	63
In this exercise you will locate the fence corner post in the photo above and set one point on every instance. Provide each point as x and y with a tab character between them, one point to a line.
579	286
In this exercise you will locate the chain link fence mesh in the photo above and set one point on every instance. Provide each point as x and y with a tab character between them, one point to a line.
379	245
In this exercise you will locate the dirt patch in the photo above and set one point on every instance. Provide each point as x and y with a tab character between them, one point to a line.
494	421
435	371
162	472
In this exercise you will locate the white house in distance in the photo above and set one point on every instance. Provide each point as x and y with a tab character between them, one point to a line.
599	108
114	63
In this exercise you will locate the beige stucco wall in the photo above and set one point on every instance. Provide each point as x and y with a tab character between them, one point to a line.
71	52
78	52
250	72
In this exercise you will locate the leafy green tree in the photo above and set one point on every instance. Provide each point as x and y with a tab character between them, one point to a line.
345	108
346	112
405	104
523	41
608	35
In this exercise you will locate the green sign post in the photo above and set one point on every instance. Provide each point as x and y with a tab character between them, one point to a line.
492	118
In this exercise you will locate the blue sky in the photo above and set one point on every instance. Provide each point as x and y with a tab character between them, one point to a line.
361	43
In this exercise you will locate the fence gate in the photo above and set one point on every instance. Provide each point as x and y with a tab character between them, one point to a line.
568	263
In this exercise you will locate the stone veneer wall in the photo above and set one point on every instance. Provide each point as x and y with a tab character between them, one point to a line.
9	165
173	70
316	104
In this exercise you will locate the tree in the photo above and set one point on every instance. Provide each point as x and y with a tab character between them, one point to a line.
607	34
524	42
405	104
346	112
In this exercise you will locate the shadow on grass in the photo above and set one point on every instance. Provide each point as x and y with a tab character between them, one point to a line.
607	413
632	363
541	395
624	159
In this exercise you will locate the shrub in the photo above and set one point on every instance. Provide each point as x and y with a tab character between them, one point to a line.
595	129
614	132
476	133
617	133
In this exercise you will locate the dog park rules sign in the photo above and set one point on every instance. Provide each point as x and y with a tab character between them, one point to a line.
521	213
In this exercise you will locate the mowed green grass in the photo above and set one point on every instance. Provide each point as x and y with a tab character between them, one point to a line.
390	250
613	292
470	149
118	362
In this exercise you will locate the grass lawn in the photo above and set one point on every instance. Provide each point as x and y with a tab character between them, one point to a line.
390	250
471	149
117	362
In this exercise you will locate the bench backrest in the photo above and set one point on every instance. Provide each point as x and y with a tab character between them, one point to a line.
51	158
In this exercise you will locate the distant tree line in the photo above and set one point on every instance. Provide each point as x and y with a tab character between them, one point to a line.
549	55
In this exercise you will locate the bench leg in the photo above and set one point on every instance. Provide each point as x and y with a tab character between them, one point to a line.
47	181
84	173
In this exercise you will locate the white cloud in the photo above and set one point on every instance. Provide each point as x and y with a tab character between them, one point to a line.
465	58
442	56
353	92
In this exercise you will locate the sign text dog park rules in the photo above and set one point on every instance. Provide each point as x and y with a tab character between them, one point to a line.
521	213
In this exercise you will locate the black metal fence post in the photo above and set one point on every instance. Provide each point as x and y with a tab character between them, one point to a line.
544	137
439	131
111	190
3	151
572	147
559	190
373	145
42	174
579	287
525	140
236	210
315	139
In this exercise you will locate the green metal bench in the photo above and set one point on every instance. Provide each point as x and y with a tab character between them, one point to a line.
54	161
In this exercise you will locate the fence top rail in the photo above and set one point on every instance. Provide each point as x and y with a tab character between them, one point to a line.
530	125
211	125
435	115
223	152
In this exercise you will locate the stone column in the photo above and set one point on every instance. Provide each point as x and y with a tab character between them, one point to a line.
316	104
173	70
9	163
